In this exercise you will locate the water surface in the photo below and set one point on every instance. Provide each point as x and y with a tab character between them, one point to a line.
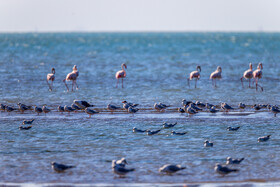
158	66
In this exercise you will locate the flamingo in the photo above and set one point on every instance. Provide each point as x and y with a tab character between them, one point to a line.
195	74
121	74
72	77
248	74
50	77
257	74
216	75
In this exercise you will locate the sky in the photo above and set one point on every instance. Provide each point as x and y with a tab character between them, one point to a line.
139	15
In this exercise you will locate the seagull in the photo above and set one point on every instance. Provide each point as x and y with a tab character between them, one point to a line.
27	122
213	110
90	112
60	167
112	107
119	170
160	107
24	128
170	168
185	102
68	109
275	110
45	109
122	162
264	138
233	128
256	107
60	109
23	107
2	107
138	130
226	107
241	105
195	107
191	111
269	107
75	107
9	109
149	132
208	105
164	105
208	144
132	110
223	170
200	104
181	110
234	161
126	105
177	133
38	110
263	105
168	125
82	104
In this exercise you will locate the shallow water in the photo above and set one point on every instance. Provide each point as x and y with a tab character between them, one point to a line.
157	68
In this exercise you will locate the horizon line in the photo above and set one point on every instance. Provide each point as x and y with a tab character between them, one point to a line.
141	31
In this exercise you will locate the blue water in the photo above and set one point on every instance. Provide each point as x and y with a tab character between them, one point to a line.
157	68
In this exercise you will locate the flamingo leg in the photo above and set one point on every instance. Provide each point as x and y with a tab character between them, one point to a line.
76	85
242	82
117	83
72	85
249	83
50	88
66	85
195	83
215	83
257	85
212	82
189	82
122	82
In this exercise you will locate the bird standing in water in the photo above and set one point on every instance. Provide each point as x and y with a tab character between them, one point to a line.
121	74
216	75
72	77
248	74
50	77
195	75
257	74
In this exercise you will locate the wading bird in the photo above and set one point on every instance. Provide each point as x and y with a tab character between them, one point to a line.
72	77
121	74
50	77
216	75
248	74
195	75
257	74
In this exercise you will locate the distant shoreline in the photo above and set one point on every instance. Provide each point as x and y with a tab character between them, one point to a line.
134	32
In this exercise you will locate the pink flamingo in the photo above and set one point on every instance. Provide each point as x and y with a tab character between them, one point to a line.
121	74
50	77
248	74
72	77
257	74
216	75
195	74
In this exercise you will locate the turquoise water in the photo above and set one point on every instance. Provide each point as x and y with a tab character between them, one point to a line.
157	68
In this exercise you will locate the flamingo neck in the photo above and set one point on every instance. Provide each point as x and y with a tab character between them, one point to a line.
123	68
